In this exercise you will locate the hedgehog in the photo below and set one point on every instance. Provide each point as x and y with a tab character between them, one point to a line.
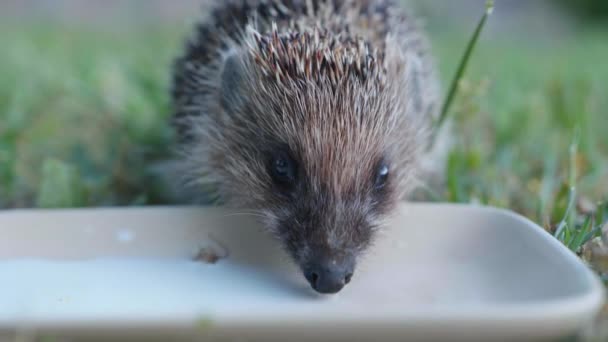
314	116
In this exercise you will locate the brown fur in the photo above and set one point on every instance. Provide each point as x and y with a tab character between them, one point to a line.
341	86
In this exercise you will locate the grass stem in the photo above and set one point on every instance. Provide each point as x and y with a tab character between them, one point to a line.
462	67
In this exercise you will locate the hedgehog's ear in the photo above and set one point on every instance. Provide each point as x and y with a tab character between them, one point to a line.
232	82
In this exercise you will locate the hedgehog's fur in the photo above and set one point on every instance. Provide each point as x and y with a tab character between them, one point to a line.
341	86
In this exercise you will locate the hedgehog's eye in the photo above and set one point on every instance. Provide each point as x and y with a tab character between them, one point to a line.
283	169
381	176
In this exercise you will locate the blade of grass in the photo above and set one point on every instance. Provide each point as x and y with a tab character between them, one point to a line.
601	210
564	222
568	219
592	234
462	66
578	237
573	174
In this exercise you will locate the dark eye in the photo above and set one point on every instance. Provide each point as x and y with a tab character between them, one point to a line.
283	169
381	176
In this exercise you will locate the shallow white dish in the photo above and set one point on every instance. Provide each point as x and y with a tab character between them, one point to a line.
439	272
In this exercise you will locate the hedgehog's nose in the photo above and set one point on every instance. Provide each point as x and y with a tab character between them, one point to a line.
329	276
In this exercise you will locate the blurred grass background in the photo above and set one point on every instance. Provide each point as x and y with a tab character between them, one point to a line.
83	113
84	104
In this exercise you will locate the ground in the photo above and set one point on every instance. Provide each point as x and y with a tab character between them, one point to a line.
83	120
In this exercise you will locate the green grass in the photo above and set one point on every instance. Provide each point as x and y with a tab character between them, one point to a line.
531	128
577	229
83	120
82	115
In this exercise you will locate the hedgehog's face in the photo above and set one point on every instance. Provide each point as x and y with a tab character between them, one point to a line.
324	162
324	223
323	198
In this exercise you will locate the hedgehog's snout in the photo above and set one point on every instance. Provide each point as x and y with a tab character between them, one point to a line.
329	275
